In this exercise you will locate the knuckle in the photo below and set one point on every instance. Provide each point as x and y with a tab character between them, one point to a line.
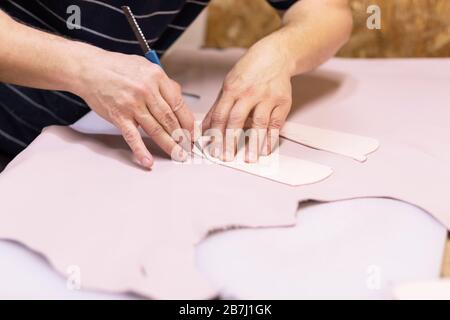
140	59
157	73
155	131
143	115
152	96
230	86
265	95
129	136
260	122
169	119
139	89
283	99
236	117
250	91
178	103
127	101
276	123
114	113
176	87
227	87
218	117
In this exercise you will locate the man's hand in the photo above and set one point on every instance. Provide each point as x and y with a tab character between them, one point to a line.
127	90
131	92
258	88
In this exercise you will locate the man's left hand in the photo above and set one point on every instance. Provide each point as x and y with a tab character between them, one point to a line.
257	89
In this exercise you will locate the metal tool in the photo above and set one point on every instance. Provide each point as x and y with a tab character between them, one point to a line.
150	54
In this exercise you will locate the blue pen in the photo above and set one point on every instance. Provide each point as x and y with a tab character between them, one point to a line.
150	54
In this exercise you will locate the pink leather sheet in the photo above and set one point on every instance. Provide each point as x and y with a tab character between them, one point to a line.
404	104
80	201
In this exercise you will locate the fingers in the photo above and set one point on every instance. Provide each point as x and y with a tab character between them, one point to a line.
266	102
162	112
276	122
215	122
168	121
157	133
138	93
171	93
218	117
259	125
171	111
229	117
236	121
134	140
240	113
206	123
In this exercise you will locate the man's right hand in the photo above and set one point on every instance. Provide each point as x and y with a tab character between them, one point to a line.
127	90
131	92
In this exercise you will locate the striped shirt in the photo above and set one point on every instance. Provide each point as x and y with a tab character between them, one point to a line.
25	111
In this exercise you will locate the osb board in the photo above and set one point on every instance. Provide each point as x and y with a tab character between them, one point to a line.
410	28
446	259
237	23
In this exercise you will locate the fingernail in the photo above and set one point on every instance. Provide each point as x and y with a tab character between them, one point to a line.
216	152
179	154
146	162
183	156
229	156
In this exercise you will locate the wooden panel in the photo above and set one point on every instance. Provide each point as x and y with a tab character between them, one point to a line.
446	261
238	23
410	28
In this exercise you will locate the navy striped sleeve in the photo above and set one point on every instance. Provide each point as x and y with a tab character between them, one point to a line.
282	4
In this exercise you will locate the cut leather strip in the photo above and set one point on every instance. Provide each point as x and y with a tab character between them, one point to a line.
349	145
345	144
277	167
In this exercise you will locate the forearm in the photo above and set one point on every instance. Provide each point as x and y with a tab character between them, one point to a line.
37	59
313	31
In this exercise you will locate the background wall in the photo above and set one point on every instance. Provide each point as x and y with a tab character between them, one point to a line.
410	28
